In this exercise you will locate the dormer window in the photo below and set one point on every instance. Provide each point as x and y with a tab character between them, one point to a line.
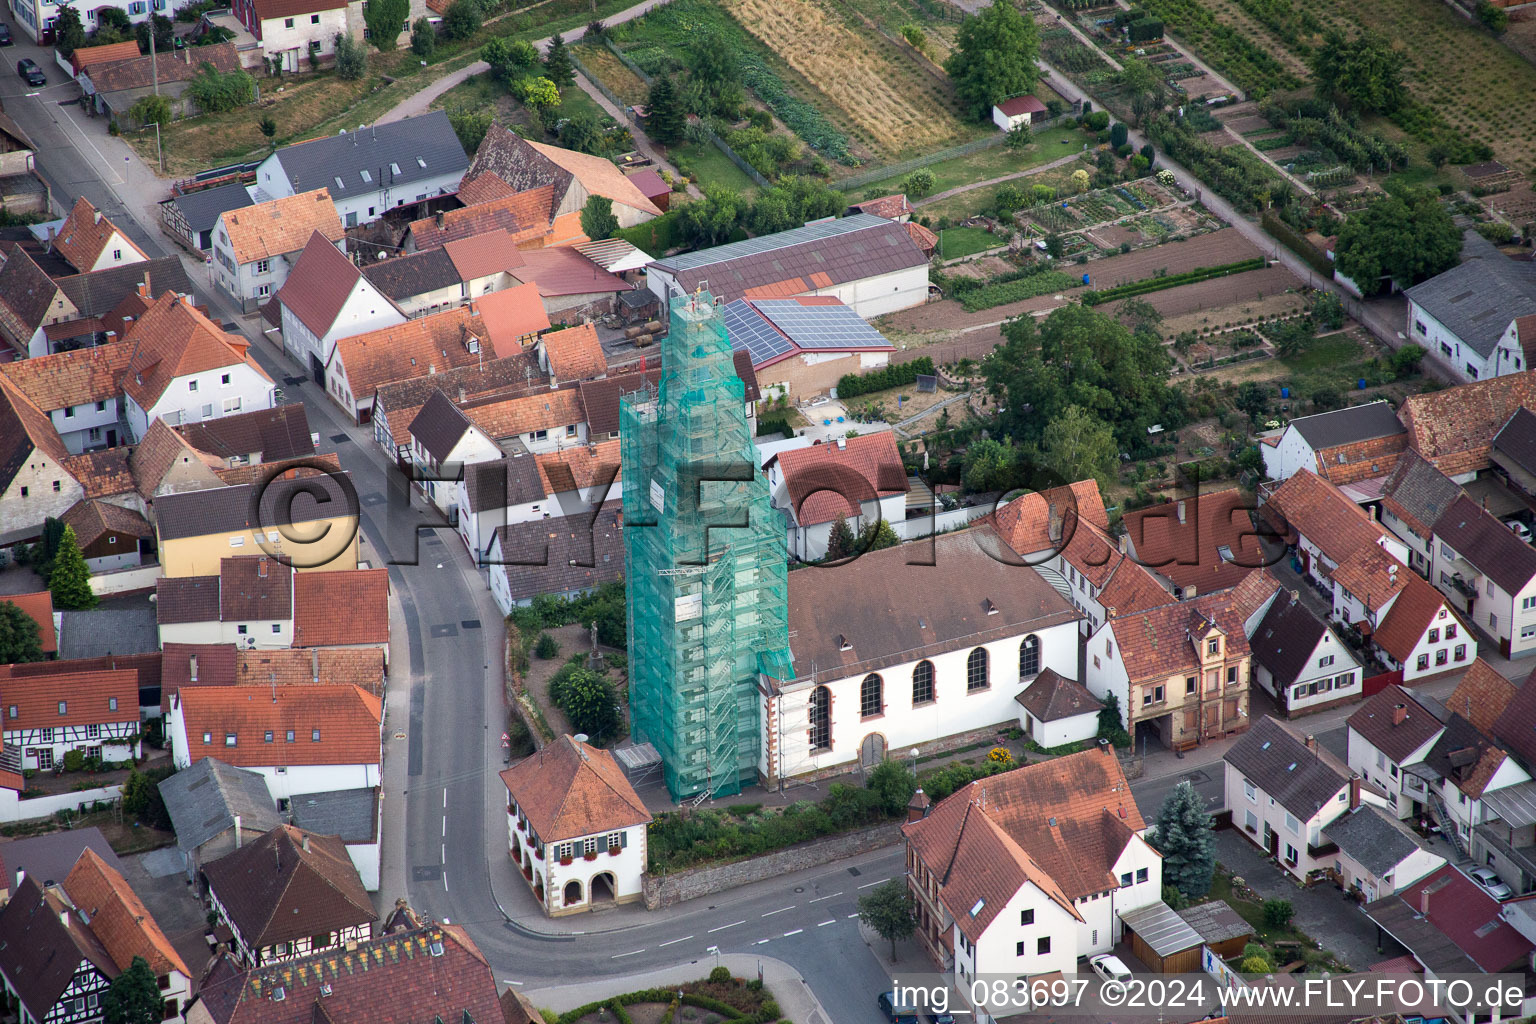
1213	646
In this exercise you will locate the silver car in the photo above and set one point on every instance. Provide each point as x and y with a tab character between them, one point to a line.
1491	883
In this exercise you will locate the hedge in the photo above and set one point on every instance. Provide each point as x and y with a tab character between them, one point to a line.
990	295
1157	284
667	996
1297	243
1146	29
851	385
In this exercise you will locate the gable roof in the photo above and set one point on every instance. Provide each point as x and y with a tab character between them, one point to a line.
1035	522
1465	756
26	295
1072	816
42	942
413	273
255	587
1488	545
570	789
772	330
1476	299
86	232
174	340
87	697
500	418
439	425
393	155
1021	105
1416	608
1394	723
288	884
503	483
525	215
275	434
24	428
159	451
201	209
1344	426
281	226
413	349
598	175
583	467
426	973
513	314
574	353
346	718
1481	696
204	800
861	469
397	401
561	554
341	608
319	284
1418	493
1454	428
1373	576
890	207
1376	840
987	868
91	520
484	187
65	379
118	918
562	270
1273	758
39	608
144	71
600	398
876	611
1449	924
1157	642
266	9
1516	725
1516	440
86	56
1052	697
99	292
478	256
1316	509
1286	638
803	259
1208	542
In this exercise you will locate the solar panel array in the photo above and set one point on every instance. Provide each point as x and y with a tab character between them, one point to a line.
749	331
821	326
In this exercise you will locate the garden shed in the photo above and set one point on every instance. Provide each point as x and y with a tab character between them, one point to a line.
1161	939
1017	112
1219	926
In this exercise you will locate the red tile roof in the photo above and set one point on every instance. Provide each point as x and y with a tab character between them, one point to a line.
1417	608
570	789
1036	522
1466	915
333	609
39	608
564	271
413	349
266	9
527	215
85	233
173	340
579	467
1481	696
92	520
485	187
1207	542
71	378
119	918
598	175
86	56
1454	428
650	184
319	284
889	207
346	719
1021	105
512	315
483	255
1308	505
1158	642
574	353
87	698
826	480
281	226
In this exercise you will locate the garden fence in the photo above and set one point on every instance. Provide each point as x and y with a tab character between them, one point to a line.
719	143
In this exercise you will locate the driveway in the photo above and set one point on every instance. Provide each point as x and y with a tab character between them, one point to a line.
1320	911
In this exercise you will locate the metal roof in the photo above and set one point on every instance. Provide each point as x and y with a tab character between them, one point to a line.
769	329
753	334
613	254
1162	929
202	209
375	157
1514	805
812	232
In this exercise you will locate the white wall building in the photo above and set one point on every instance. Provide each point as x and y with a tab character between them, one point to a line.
47	716
327	298
1387	735
1487	573
1300	662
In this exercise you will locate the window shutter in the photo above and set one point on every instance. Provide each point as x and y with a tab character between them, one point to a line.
624	840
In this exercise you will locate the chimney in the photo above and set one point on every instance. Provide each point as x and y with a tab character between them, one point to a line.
314	664
261	567
1424	902
439	218
1311	742
97	215
1053	523
842	444
192	662
1354	793
144	288
917	807
462	397
1399	714
1373	513
304	842
1104	747
1180	507
238	836
1125	543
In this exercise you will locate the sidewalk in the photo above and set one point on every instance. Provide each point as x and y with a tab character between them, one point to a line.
796	1000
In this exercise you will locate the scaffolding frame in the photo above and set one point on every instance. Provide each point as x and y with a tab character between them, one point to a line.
706	565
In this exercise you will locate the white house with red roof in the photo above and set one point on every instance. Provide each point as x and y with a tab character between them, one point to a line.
1024	873
185	369
291	30
859	478
1018	112
325	298
46	717
90	241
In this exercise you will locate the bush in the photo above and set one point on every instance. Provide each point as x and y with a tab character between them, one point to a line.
151	109
720	975
547	647
423	38
1278	913
351	61
1096	121
74	760
851	385
462	19
215	92
1255	965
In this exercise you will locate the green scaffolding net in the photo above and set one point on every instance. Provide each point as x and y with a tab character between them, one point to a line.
705	562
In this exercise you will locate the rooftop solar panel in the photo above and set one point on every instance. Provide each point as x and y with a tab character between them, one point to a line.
749	331
821	326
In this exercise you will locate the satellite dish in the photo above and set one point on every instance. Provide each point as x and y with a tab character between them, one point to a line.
382	255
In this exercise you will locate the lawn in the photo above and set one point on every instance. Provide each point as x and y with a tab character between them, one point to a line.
712	167
1328	353
956	242
986	164
624	83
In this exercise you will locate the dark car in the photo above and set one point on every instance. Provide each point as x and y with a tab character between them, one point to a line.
30	71
5	35
894	1013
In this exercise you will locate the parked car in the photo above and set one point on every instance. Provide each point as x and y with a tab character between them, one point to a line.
28	70
1519	529
894	1013
1491	883
941	1018
1111	968
5	35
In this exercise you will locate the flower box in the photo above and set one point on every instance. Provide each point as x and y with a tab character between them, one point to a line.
565	861
589	856
614	851
538	853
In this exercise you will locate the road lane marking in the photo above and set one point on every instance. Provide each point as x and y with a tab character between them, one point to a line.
445	881
818	899
669	942
723	927
866	885
797	931
760	942
779	911
445	825
850	917
620	956
445	796
825	923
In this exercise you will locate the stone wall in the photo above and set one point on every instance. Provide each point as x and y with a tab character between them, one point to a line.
668	890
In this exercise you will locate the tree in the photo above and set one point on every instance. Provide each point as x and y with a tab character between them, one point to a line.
423	38
114	18
713	219
540	93
1404	238
462	19
1054	246
134	996
1183	836
1076	445
1406	360
1118	134
588	700
793	200
1327	311
918	184
1325	397
70	579
1252	400
384	19
597	219
989	465
268	126
712	60
1080	180
895	784
151	109
546	647
664	117
511	60
840	541
557	63
216	91
164	29
1365	71
142	798
877	535
582	133
1109	725
470	126
351	60
19	639
994	58
888	909
1494	19
68	32
1019	138
1277	913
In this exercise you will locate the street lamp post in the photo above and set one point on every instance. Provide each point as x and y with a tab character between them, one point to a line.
159	153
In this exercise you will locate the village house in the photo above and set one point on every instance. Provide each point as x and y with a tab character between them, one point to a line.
115	86
801	347
880	668
191	213
576	827
49	716
196	530
1026	873
261	436
249	603
1513	453
1180	671
326	298
289	894
90	242
110	536
1387	734
859	479
255	247
1454	428
40	315
1058	711
1344	446
1201	544
1488	574
1406	623
53	966
360	363
396	403
372	170
81	391
1413	499
562	557
1465	317
1462	770
1377	855
892	207
1018	112
1506	837
523	488
215	808
1323	524
293	32
1300	662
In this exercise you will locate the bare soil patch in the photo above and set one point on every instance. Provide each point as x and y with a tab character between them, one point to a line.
1282	304
1221	292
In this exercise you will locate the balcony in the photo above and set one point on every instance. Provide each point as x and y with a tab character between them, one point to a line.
1327	848
1465	589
